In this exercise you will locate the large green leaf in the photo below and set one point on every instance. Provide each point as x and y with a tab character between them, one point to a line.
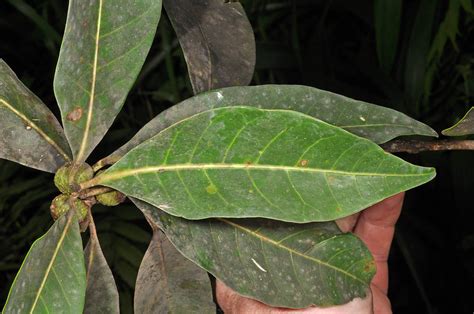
167	282
52	278
376	123
465	126
250	162
104	46
281	264
387	15
217	41
30	133
101	294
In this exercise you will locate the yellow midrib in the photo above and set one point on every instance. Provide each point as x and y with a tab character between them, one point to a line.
53	258
36	128
82	149
162	168
290	250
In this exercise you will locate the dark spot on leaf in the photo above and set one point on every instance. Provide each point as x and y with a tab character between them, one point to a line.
74	115
369	266
303	163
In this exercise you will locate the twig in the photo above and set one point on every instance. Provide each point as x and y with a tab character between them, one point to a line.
93	192
107	161
92	229
416	146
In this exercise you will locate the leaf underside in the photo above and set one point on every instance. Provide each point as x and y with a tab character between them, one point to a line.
52	278
104	47
373	122
464	127
248	162
278	263
167	282
217	41
101	294
29	132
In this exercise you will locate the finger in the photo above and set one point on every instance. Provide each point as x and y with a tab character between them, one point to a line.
381	302
348	223
376	226
232	303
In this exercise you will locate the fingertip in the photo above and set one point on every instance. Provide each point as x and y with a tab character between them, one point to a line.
384	213
381	303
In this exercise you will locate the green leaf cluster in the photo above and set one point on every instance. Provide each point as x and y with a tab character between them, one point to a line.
245	182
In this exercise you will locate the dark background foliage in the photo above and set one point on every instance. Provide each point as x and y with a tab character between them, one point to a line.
329	44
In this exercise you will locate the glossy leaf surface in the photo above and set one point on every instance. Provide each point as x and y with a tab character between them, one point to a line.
217	41
104	46
281	264
52	278
101	294
376	123
167	282
248	162
29	132
464	127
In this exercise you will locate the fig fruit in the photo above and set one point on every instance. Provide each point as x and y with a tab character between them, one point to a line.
70	176
112	198
62	203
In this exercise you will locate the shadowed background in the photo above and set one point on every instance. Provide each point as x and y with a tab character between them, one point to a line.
417	59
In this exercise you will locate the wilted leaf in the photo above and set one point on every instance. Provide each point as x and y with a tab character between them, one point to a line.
101	295
387	15
464	127
52	278
169	283
376	123
29	132
248	162
104	46
281	264
217	40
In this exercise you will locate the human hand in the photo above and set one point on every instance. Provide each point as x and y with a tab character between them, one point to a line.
375	226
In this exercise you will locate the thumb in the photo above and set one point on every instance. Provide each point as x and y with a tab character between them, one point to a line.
233	303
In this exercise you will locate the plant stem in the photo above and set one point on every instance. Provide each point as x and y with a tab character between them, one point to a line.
93	192
416	146
92	228
107	161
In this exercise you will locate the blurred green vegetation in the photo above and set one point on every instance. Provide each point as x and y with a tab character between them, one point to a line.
414	56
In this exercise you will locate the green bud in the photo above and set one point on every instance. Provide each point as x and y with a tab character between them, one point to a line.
111	198
62	203
69	177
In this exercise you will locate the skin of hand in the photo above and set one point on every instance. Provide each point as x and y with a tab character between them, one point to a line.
375	226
